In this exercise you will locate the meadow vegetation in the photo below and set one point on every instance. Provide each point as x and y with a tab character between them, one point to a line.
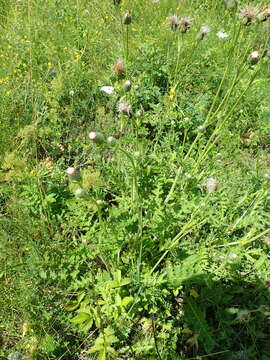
134	179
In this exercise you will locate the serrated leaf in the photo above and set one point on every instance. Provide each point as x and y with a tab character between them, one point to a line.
80	318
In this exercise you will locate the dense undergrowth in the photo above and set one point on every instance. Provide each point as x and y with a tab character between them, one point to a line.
155	243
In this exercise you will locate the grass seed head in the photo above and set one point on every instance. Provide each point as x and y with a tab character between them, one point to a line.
174	22
185	24
127	18
119	68
248	15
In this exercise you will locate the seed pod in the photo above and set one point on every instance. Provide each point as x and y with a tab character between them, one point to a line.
127	18
96	137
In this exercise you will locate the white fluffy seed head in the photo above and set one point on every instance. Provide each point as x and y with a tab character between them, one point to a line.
212	184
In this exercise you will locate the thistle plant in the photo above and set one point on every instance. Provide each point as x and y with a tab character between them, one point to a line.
248	15
173	22
185	24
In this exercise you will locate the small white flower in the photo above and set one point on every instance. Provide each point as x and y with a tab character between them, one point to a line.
107	89
71	93
222	35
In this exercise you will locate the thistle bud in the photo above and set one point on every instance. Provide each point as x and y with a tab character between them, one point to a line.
127	18
119	69
127	85
204	30
71	171
79	193
212	185
96	137
173	22
254	57
111	140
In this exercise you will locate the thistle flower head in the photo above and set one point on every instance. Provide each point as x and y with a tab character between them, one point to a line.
127	85
96	137
264	14
248	15
127	18
185	24
124	108
119	68
254	57
212	184
174	22
204	30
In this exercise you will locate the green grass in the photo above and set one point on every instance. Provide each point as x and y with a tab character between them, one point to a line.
159	247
